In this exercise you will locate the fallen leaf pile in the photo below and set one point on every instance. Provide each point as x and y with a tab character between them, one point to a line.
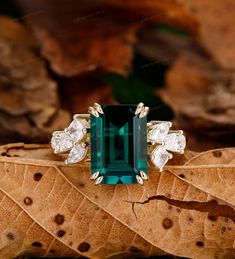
80	39
48	208
203	99
98	37
29	104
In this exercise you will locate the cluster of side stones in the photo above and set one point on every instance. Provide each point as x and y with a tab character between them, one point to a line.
165	142
71	140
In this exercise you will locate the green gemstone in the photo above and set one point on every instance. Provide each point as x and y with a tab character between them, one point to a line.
118	144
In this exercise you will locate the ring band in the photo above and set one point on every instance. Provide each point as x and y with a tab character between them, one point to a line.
119	142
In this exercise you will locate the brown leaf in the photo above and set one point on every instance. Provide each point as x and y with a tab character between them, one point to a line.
202	97
200	17
151	11
20	232
77	40
216	35
29	106
166	213
217	181
11	29
79	95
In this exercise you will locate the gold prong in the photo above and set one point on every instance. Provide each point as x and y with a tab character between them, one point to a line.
83	144
139	108
151	124
92	111
144	112
94	175
98	108
81	116
139	179
99	179
151	142
143	175
56	132
177	131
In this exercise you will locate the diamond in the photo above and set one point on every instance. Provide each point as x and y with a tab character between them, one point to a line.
61	142
175	142
159	132
76	129
76	154
160	156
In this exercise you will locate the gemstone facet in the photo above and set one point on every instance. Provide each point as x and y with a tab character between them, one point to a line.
118	144
160	157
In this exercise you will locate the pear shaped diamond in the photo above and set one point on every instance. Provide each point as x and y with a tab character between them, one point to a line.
175	142
61	142
160	156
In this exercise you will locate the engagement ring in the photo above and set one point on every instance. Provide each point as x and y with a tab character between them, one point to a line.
118	142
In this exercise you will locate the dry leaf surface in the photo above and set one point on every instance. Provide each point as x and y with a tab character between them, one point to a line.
202	97
100	34
173	210
77	39
29	103
197	16
78	95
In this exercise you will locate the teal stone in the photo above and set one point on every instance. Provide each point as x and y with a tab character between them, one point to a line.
118	144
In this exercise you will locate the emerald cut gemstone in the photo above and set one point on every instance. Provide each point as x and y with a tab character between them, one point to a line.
118	144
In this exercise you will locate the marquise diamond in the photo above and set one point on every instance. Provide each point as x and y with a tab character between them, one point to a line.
76	154
76	129
159	132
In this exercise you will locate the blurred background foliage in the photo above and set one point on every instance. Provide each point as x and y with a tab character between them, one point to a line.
139	86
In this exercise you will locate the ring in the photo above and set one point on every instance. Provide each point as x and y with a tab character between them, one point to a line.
118	142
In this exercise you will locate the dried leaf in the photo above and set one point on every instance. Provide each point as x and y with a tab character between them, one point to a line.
167	213
216	35
18	232
29	106
200	17
151	11
77	39
218	181
79	95
202	97
11	29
